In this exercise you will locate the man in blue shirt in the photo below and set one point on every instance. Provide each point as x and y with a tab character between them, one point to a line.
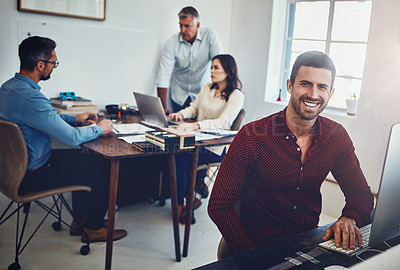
185	60
22	102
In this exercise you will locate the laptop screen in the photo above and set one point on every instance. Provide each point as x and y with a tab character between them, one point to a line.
151	110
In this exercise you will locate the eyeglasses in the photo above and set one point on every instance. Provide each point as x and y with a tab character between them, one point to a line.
55	63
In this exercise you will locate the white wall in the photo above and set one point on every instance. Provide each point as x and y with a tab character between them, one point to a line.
105	60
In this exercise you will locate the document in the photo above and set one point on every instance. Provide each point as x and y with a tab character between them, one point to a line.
134	138
220	132
200	136
131	128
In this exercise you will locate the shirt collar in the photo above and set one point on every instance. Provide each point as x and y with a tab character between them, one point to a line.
28	80
199	36
282	128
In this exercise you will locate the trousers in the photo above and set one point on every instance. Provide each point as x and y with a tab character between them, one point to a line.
75	167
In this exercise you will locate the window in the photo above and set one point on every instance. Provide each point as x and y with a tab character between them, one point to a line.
337	27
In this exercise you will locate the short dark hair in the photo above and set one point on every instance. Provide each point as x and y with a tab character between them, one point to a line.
189	11
33	49
232	80
313	59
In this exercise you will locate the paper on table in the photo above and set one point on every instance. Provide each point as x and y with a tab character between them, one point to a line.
131	128
220	132
203	136
134	138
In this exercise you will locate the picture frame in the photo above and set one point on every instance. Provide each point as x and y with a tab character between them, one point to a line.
84	9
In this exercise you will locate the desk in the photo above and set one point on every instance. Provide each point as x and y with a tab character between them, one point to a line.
110	147
300	251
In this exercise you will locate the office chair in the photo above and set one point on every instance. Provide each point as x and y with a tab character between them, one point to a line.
13	164
211	174
236	125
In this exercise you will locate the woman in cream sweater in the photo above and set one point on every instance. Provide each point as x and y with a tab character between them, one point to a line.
215	107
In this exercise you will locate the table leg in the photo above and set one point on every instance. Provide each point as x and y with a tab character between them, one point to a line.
174	204
194	157
114	172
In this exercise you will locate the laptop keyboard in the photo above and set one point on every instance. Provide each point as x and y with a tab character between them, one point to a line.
365	232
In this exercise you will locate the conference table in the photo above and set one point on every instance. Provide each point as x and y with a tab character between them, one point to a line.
114	149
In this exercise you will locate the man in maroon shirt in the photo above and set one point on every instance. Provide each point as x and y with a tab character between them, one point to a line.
276	165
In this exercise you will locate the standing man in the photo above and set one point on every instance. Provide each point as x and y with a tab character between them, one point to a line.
22	102
275	167
185	61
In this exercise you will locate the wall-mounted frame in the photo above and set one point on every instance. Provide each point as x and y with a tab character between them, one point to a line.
86	9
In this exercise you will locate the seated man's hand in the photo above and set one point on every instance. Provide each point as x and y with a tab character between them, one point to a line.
87	117
106	125
176	116
188	126
344	232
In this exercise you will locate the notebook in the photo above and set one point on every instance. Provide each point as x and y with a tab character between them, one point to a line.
386	221
152	111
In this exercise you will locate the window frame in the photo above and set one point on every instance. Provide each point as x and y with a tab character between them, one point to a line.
286	39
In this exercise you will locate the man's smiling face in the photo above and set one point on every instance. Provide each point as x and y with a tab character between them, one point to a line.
311	91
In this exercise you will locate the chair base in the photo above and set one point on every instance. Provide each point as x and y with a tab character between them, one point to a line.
55	210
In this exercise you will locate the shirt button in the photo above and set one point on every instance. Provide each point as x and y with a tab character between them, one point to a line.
294	207
298	148
287	137
301	168
297	188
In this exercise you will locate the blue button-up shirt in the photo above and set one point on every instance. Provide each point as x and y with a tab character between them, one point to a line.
184	67
22	102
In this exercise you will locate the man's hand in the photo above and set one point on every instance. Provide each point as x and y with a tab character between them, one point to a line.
87	117
344	231
167	111
106	125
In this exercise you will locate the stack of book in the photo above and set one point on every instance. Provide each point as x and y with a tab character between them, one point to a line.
80	105
146	146
171	140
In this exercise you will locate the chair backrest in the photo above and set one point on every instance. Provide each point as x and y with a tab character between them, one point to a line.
13	159
238	120
13	164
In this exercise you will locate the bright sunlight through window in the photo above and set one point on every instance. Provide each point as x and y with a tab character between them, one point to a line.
338	28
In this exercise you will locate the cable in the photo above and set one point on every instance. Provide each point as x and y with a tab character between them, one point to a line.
387	244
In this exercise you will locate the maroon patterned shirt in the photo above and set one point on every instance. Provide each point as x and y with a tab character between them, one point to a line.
279	195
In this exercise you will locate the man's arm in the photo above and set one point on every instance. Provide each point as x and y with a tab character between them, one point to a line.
231	177
44	118
167	63
215	44
359	199
162	94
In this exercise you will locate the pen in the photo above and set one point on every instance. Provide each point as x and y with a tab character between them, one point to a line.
115	130
211	132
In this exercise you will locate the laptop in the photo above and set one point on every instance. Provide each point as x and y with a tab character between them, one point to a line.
386	221
152	111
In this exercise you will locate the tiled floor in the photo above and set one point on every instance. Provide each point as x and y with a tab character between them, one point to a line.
149	244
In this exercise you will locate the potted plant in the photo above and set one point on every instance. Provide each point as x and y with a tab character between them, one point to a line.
352	104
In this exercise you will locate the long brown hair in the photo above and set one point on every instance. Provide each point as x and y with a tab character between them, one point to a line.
232	80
